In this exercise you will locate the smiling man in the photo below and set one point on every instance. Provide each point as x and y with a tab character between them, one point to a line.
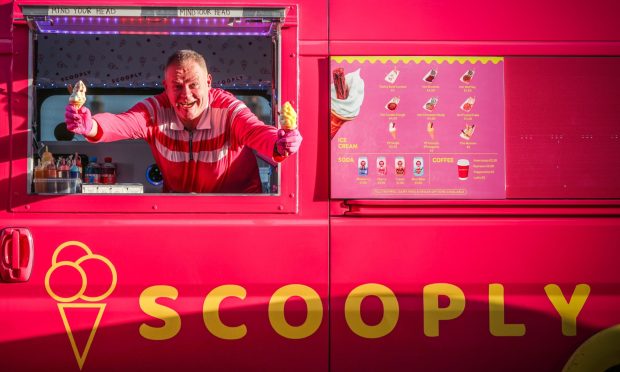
201	137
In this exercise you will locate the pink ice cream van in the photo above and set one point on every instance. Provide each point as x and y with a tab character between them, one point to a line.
454	205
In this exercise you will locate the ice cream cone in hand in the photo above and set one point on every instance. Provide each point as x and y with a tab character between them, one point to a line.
288	118
78	95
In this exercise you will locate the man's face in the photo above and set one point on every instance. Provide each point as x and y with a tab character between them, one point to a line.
187	87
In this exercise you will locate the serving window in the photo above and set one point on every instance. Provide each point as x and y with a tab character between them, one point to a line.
121	60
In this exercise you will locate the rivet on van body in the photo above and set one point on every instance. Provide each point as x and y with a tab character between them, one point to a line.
155	207
291	195
280	207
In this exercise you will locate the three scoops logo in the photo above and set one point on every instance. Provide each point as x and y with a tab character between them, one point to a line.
60	283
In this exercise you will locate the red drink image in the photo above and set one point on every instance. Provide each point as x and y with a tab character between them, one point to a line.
393	104
399	165
463	167
430	76
467	76
430	104
468	104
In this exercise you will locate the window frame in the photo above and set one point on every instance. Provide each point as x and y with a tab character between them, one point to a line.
285	201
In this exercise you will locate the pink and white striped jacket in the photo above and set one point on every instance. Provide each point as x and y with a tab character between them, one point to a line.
216	157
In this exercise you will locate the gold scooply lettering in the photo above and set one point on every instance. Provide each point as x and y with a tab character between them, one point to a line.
568	310
433	313
171	319
353	314
497	324
211	312
314	314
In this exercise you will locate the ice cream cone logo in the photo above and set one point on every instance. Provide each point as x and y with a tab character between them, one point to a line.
77	303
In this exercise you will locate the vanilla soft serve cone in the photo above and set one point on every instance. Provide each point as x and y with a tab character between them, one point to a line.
78	95
347	96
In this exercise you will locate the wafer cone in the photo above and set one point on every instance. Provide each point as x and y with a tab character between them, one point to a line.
77	104
336	122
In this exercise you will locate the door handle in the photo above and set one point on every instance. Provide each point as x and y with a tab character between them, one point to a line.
16	254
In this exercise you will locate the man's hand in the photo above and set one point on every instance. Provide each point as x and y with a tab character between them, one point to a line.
288	142
78	121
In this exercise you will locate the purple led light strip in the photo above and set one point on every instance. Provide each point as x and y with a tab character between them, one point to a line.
154	26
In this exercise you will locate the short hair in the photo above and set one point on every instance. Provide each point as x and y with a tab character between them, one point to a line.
181	56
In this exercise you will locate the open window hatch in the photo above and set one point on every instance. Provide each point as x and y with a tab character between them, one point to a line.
120	54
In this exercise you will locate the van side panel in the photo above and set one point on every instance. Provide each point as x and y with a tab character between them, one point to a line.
475	284
164	270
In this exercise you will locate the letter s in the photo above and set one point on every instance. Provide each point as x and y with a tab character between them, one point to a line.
171	319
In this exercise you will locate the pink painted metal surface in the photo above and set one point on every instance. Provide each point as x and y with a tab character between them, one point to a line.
158	241
404	246
473	21
522	254
193	255
562	138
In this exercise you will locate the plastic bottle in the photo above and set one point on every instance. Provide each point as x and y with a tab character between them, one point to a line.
92	174
74	171
108	172
47	157
75	179
63	185
78	163
51	174
39	178
63	168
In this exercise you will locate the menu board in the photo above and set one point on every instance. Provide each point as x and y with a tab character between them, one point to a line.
417	128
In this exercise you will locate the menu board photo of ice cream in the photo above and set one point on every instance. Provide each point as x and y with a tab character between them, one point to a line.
417	127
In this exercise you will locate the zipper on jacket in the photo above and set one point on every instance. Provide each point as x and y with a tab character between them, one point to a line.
191	152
